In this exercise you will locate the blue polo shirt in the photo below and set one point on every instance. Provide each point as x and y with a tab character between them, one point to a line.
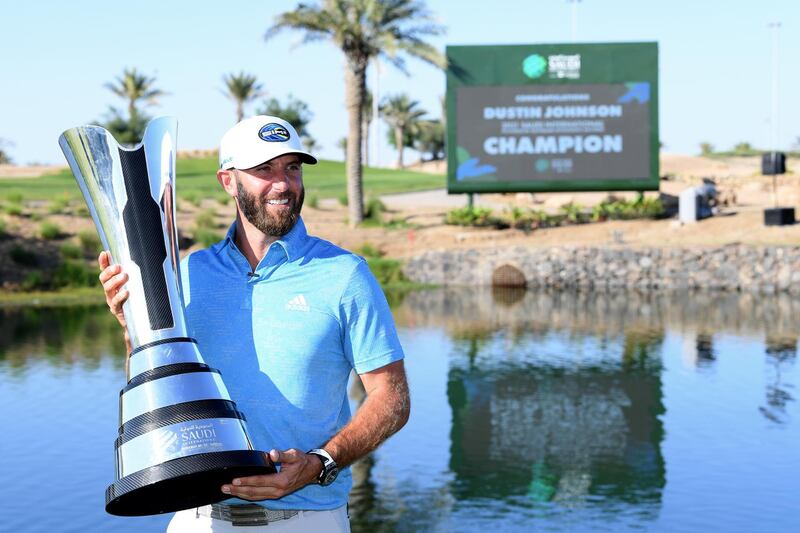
286	340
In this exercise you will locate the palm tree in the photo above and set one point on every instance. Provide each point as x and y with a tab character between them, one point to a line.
402	115
5	159
363	30
135	87
242	88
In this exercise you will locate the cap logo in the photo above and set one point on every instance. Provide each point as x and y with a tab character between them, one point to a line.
273	132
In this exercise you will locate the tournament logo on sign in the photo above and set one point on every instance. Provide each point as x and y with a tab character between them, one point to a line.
534	66
273	133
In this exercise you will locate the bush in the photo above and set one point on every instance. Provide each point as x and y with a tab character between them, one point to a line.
13	210
343	200
90	242
368	251
2	227
59	205
206	236
573	212
470	216
206	219
224	199
625	210
312	201
71	251
193	199
386	271
49	231
23	257
74	274
374	209
34	280
15	197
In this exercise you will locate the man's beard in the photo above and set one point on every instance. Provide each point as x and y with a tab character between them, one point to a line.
256	211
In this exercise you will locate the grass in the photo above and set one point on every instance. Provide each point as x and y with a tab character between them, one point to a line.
196	179
49	231
72	296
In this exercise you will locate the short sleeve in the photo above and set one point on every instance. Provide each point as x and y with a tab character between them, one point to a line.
369	334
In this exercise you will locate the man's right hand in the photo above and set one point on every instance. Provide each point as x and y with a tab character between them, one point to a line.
113	278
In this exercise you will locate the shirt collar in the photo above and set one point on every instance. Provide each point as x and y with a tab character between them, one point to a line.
292	243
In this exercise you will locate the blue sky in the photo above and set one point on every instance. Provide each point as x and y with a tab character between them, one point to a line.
715	63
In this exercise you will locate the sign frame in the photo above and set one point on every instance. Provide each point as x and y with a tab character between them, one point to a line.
502	66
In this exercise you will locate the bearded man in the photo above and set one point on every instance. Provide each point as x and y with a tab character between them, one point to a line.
286	317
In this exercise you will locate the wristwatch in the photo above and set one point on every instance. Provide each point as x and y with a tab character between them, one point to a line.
329	467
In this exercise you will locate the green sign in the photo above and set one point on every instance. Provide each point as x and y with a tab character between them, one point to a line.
556	117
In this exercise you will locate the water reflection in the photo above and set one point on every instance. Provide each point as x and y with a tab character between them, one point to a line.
545	408
547	428
60	336
781	354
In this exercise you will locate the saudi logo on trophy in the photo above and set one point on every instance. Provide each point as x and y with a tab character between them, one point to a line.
180	435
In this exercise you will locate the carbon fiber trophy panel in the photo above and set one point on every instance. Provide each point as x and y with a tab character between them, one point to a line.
180	435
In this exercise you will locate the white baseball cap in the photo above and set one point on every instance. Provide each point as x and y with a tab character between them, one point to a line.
258	139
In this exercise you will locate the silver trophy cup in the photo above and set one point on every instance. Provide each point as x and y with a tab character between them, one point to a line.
180	435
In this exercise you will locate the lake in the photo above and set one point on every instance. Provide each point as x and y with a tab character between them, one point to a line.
531	411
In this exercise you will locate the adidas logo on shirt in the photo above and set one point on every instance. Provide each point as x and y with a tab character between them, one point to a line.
298	303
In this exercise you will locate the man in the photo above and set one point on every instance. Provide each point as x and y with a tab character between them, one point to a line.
285	317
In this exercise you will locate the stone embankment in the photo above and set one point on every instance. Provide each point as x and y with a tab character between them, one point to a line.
734	268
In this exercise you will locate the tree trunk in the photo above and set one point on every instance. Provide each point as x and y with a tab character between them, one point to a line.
365	137
239	111
398	140
354	90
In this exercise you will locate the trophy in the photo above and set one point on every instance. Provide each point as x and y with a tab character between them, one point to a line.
180	435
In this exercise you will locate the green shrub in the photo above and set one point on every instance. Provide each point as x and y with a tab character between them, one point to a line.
74	274
23	257
343	200
13	210
206	219
37	217
624	210
573	212
193	199
369	251
312	201
387	271
374	209
90	242
15	197
71	251
49	231
83	211
223	199
59	205
206	236
2	227
34	280
470	216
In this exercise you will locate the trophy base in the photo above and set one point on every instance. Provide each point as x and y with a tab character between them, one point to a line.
183	483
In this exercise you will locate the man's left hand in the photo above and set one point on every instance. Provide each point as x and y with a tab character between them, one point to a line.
297	469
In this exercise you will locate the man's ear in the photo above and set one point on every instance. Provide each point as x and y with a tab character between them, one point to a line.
227	179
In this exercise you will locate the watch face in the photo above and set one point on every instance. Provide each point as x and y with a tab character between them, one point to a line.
330	477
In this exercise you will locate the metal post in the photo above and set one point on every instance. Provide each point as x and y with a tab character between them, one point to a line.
774	26
574	19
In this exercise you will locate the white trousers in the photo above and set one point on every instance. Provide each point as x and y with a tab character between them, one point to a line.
334	521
